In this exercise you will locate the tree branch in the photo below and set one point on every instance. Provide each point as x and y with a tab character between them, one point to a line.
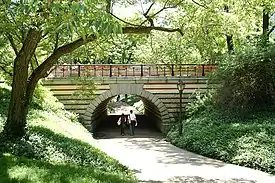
5	70
147	30
201	5
108	6
56	41
158	12
41	70
12	43
146	13
271	30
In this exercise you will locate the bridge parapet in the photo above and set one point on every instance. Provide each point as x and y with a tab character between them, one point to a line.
160	95
131	70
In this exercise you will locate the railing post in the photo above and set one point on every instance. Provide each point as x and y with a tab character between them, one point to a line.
173	73
78	70
141	70
157	70
111	71
203	74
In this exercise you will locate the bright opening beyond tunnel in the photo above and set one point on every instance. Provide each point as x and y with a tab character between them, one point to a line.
146	113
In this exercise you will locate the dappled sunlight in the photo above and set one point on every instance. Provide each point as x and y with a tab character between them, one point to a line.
153	159
26	171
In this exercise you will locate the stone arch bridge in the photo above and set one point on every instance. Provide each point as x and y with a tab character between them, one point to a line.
156	85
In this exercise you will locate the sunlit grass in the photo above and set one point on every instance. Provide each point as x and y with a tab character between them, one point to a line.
23	170
243	141
58	149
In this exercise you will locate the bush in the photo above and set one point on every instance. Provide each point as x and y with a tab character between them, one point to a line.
43	99
247	142
199	104
56	145
4	105
247	80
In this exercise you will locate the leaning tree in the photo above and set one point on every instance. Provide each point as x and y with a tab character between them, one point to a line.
40	32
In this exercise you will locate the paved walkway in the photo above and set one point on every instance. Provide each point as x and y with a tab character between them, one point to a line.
157	161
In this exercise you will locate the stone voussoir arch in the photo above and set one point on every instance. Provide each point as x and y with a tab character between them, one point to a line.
118	89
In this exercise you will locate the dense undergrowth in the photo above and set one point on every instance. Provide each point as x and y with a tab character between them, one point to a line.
248	142
57	148
236	122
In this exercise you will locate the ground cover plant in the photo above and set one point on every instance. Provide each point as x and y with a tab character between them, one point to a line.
56	148
236	122
248	142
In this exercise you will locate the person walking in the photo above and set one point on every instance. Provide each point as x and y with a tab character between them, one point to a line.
122	121
132	122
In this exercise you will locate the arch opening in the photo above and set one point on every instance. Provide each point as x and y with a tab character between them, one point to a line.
155	113
148	118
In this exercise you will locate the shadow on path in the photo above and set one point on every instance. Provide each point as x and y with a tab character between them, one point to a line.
155	160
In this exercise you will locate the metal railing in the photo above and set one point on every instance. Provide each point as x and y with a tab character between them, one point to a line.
131	70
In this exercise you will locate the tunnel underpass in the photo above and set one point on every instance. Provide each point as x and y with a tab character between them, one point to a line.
150	119
155	115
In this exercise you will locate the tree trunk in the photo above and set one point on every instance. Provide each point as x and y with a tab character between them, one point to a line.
23	86
265	22
265	26
230	44
16	122
229	38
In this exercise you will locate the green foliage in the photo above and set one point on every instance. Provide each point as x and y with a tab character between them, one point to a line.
4	99
43	99
4	104
86	87
131	100
56	148
20	169
247	80
45	145
199	104
247	142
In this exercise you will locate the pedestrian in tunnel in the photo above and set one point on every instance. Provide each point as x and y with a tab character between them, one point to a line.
133	122
122	121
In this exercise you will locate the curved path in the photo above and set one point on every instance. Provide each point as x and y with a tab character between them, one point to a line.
157	161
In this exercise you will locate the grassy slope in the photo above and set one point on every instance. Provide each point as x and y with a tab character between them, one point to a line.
57	150
248	142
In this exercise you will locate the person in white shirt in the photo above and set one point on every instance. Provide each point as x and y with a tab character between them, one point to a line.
132	122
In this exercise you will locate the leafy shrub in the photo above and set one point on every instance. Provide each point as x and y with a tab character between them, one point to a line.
43	144
5	94
44	99
131	100
247	142
86	87
247	80
56	139
4	105
199	104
